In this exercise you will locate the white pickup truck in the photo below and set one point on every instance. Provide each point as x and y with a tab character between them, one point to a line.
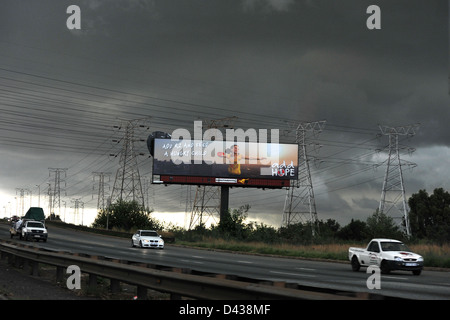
29	230
388	255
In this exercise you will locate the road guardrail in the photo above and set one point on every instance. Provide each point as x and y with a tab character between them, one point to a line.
175	281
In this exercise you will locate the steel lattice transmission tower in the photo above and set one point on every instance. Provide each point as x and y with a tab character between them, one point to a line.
300	205
206	205
55	202
77	205
21	199
207	198
393	192
127	184
101	199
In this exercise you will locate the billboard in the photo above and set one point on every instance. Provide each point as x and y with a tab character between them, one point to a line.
248	164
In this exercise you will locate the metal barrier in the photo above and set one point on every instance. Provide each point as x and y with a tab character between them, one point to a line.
175	282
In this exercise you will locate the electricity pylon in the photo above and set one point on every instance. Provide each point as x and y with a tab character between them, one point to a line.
207	198
127	184
393	191
300	205
21	204
101	200
206	205
77	205
56	196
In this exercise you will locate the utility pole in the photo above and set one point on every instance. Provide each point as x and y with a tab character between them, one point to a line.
39	195
50	199
393	191
211	201
147	188
65	206
127	184
300	205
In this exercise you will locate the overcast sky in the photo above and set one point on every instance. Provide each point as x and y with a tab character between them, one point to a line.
266	62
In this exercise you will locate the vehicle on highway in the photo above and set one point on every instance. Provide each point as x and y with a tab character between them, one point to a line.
387	254
34	230
30	226
29	230
147	239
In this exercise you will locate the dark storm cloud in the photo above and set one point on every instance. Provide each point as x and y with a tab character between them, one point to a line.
318	56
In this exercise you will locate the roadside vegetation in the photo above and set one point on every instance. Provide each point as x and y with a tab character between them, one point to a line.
429	220
331	241
126	216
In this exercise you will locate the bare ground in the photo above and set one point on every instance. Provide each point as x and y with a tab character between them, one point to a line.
16	283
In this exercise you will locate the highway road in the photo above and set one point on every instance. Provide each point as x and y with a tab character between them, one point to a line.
434	285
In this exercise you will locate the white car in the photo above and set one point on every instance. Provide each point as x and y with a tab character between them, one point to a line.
147	239
387	254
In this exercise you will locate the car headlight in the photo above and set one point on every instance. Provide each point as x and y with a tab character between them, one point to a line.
420	259
399	259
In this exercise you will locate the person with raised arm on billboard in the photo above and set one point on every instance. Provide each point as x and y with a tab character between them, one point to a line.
234	158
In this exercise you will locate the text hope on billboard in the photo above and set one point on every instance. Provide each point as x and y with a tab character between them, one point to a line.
225	159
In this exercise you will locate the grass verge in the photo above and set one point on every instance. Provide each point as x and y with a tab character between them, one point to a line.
434	255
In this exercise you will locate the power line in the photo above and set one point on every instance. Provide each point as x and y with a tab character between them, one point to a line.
88	110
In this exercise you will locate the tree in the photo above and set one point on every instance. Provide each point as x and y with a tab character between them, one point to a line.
328	228
355	230
232	224
380	225
430	215
297	233
419	215
262	232
126	215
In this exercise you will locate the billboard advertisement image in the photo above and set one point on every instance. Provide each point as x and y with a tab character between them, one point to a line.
223	162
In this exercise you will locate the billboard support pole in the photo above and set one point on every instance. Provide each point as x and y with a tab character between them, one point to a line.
224	201
210	194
